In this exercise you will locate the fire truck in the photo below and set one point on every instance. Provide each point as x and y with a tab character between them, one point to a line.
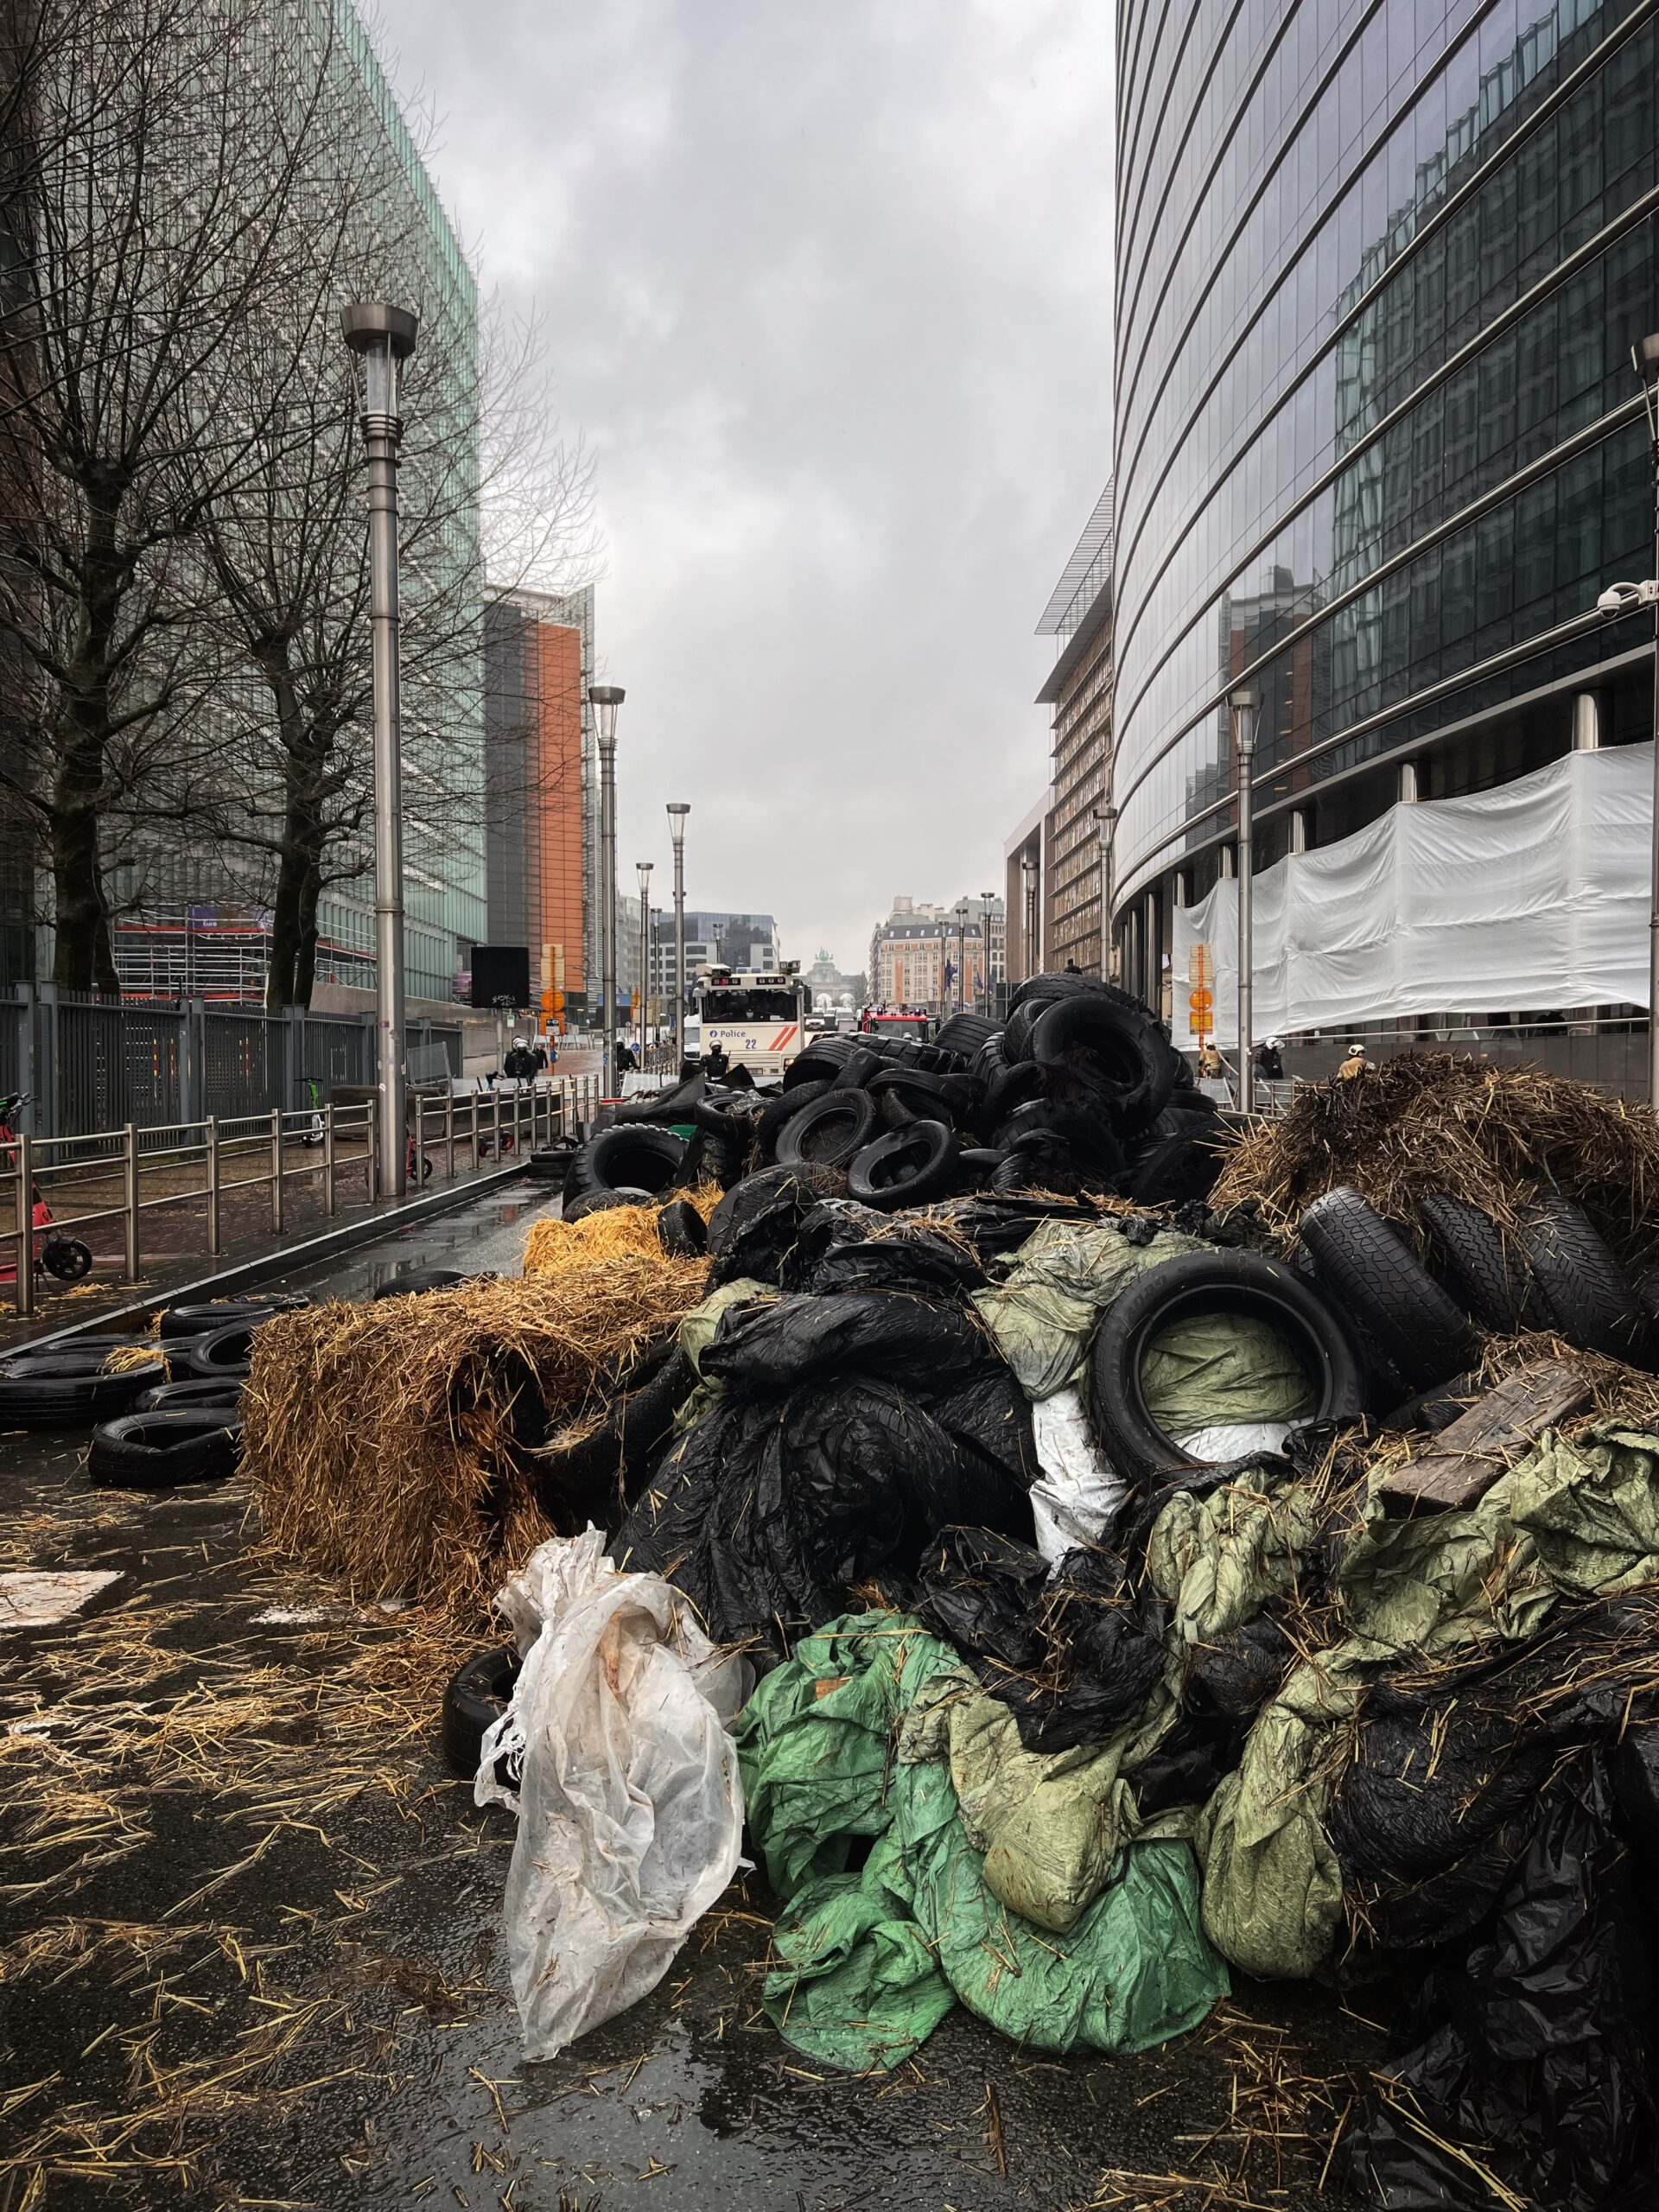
758	1017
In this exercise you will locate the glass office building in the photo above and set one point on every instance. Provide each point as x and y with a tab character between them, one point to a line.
1379	444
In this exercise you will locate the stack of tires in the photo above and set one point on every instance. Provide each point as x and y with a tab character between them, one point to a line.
186	1426
1416	1317
1082	1090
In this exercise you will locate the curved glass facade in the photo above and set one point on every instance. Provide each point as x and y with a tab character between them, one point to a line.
1378	441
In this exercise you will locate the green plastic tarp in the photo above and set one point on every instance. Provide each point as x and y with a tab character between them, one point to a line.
869	1960
1056	1288
1575	1520
1212	1370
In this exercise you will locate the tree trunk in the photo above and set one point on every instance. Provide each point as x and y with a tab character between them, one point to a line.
299	859
83	959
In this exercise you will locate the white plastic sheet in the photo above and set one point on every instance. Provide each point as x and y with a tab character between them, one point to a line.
629	1807
1531	896
1078	1497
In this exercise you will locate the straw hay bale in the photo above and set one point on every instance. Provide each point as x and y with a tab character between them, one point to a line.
390	1444
1430	1121
554	1246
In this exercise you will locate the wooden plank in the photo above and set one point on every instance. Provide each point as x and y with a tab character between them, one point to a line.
1470	1453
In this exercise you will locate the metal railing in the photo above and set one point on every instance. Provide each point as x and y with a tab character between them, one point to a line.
206	1163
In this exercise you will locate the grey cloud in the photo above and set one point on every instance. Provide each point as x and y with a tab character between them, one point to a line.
828	288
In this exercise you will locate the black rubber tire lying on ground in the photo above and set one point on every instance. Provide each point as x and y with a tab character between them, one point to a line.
1199	1282
224	1352
474	1698
1177	1169
820	1061
907	1167
860	1067
1586	1295
603	1201
1373	1274
830	1130
66	1386
1490	1279
776	1112
158	1451
414	1281
976	1164
1033	997
635	1157
549	1164
202	1319
682	1230
196	1393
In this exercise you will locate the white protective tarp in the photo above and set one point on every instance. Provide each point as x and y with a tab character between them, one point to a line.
1079	1493
1532	896
629	1808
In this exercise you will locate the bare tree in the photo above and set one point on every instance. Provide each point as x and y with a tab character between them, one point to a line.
160	215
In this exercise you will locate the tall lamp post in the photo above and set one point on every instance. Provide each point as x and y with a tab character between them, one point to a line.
642	869
961	954
604	699
1106	821
1244	703
382	338
1644	359
985	899
1028	885
677	810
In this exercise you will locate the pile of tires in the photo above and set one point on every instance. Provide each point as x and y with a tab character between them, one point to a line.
180	1421
1417	1317
1080	1090
73	1385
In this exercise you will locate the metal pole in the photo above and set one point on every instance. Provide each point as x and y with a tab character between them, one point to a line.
22	1152
384	336
642	869
130	1179
276	1171
1646	358
214	1175
1243	705
1107	817
328	1160
677	811
985	899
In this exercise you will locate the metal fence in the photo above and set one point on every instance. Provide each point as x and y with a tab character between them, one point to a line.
91	1065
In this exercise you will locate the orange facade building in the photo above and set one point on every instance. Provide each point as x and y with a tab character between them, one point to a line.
537	655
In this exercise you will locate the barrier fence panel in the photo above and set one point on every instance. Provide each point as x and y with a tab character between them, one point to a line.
336	1051
245	1057
111	1064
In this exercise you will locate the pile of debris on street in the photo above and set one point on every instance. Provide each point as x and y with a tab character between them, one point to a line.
1093	1547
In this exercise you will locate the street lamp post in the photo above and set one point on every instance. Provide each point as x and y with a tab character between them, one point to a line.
985	899
1106	818
962	954
1028	885
382	338
642	869
1244	704
604	699
1644	359
677	810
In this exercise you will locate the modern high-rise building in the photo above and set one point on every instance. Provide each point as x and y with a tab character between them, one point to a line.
1378	443
1079	690
537	662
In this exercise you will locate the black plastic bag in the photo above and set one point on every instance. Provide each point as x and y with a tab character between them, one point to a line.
920	1341
845	1246
756	1225
1533	2052
989	1417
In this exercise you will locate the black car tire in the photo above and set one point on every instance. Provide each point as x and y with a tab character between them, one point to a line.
196	1393
1373	1274
1490	1279
202	1319
682	1230
416	1281
633	1157
1229	1282
820	1061
776	1112
66	1386
966	1035
976	1164
222	1352
474	1698
159	1451
1116	1054
1585	1292
1175	1170
603	1201
830	1131
906	1167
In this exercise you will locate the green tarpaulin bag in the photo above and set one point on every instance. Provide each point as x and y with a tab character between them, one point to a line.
820	1769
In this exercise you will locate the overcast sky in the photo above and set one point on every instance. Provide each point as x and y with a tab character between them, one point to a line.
827	285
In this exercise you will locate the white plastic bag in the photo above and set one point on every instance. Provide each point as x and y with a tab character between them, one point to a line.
629	1808
1236	1439
1078	1497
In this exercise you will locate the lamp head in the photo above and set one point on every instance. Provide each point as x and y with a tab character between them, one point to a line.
1644	357
604	699
382	338
677	810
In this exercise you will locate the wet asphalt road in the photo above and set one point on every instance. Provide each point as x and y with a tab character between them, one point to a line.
376	1927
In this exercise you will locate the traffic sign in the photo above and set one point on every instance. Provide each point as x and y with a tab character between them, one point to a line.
1201	1002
